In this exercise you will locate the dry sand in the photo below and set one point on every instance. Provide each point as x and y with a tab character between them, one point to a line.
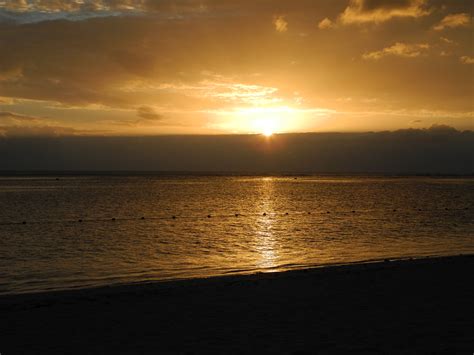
411	306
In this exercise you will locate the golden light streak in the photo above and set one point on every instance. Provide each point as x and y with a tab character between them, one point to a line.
268	120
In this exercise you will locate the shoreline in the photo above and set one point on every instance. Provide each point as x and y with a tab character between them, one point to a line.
184	173
244	274
402	306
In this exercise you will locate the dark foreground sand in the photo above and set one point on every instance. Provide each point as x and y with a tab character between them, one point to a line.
417	306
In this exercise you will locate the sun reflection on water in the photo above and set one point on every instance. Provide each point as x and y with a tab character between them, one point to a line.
266	244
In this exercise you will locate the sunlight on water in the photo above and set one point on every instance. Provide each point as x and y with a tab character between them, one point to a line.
266	244
92	231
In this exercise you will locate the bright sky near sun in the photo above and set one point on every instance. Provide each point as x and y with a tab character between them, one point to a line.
144	67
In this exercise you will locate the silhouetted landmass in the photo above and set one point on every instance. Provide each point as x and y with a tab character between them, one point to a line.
418	306
439	150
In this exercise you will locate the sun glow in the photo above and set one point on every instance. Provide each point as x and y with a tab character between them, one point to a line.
267	133
266	126
268	120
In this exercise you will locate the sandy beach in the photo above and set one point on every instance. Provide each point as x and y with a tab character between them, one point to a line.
404	306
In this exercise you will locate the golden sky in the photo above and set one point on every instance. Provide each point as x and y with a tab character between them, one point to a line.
147	67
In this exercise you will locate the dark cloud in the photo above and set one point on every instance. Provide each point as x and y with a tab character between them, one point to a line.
148	117
13	124
442	128
16	117
51	6
407	151
167	7
34	11
148	113
37	131
370	5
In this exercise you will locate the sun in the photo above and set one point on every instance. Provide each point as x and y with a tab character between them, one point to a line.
267	132
266	126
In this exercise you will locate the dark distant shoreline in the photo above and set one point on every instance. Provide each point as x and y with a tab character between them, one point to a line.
402	306
441	150
46	173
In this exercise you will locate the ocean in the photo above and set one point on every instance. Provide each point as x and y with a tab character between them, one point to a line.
72	232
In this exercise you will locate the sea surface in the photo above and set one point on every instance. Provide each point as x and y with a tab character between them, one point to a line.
86	231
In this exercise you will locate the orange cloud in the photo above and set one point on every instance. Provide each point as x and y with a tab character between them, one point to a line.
466	59
453	21
398	49
326	24
377	11
281	25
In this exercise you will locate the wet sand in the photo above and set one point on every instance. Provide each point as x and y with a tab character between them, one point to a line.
407	306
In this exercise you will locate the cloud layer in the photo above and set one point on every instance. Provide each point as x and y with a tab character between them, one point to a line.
160	67
440	149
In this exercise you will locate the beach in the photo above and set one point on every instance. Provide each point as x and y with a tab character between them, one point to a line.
392	306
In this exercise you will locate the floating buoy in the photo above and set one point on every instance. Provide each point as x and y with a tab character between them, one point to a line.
286	214
113	219
309	212
209	216
174	217
80	221
264	214
328	212
236	215
394	210
143	218
353	211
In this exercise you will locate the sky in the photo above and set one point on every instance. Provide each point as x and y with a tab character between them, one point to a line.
206	67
